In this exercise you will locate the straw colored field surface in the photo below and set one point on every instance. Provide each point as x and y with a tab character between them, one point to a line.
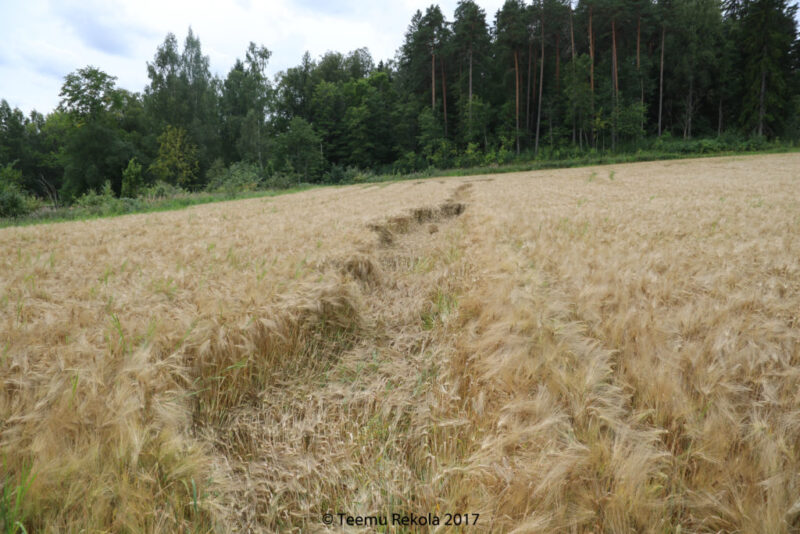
608	349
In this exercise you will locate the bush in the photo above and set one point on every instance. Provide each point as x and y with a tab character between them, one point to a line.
504	155
710	145
756	143
281	180
103	203
14	202
162	190
728	141
441	154
91	199
407	163
335	175
471	157
132	179
339	174
357	176
490	158
240	177
216	174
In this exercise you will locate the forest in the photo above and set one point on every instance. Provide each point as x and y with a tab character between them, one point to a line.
547	80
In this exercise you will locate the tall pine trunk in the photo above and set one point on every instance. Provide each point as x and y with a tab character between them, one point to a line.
615	82
572	60
534	85
639	69
528	92
591	75
444	96
571	34
541	83
762	110
661	80
258	141
638	42
516	87
687	129
558	65
433	82
469	105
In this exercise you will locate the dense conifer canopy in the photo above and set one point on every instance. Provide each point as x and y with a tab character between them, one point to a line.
546	79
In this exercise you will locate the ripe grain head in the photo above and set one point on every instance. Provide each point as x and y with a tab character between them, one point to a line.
562	354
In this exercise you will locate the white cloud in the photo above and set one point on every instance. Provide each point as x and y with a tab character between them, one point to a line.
44	40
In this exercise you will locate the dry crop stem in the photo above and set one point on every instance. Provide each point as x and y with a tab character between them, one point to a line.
556	353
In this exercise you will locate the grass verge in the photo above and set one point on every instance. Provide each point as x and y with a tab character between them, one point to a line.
132	206
119	207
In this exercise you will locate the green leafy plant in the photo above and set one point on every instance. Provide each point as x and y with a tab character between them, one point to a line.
14	202
13	512
132	179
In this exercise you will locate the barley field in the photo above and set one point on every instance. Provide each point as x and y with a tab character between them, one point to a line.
602	349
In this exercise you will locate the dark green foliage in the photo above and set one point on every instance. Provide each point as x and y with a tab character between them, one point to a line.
183	94
177	158
94	153
98	128
299	151
12	133
244	101
471	45
238	178
162	190
13	200
132	179
93	200
88	93
460	93
767	31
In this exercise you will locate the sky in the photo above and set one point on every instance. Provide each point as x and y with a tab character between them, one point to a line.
41	41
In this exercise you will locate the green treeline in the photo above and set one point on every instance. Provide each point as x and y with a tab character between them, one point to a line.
542	80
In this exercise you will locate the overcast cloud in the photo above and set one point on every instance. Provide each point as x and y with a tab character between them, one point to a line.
44	40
